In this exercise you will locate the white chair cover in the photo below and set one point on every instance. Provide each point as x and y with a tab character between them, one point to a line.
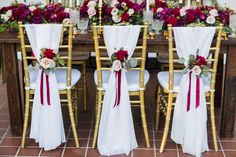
47	122
190	128
116	131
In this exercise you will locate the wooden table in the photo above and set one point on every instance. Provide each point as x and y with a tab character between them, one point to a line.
9	45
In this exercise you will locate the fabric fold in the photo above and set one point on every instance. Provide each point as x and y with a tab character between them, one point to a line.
116	131
189	127
47	123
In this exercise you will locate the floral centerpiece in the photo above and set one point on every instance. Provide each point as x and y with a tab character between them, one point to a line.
89	9
36	14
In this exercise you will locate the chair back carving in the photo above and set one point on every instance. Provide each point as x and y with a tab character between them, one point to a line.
65	45
212	59
103	62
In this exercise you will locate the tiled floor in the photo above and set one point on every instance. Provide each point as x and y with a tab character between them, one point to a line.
9	144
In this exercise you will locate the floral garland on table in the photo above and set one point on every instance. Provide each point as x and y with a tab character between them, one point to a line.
200	16
35	14
120	61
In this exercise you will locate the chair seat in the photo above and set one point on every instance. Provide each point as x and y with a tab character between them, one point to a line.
163	78
132	79
60	75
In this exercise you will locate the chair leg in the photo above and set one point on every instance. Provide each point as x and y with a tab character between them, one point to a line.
213	124
158	107
85	85
98	114
143	116
26	117
167	122
72	120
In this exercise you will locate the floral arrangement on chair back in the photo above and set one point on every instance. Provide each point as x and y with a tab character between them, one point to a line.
36	14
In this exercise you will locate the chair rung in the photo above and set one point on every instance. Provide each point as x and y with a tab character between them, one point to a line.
135	102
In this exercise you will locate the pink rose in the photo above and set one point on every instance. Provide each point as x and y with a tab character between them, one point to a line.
47	63
91	12
196	70
116	65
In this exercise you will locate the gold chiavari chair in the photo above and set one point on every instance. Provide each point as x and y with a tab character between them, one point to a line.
167	94
67	77
102	74
79	58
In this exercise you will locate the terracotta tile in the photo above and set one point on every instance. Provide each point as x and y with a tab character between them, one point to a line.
29	152
74	152
81	134
8	150
169	144
93	153
229	145
214	154
2	132
142	143
4	124
56	152
167	153
82	142
143	153
11	142
211	145
230	153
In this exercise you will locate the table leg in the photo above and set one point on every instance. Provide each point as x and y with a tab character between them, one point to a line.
229	95
13	88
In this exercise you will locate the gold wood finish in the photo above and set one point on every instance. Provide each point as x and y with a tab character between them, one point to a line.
165	97
100	62
29	93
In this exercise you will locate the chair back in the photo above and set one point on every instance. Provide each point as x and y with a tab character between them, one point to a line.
212	59
66	44
103	62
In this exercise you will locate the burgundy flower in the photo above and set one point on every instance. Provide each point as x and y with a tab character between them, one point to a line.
37	12
171	20
49	53
190	17
200	60
125	17
122	55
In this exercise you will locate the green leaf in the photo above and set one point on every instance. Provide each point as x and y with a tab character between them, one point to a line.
185	71
61	62
181	60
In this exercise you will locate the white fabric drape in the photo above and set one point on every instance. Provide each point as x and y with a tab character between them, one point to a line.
190	128
47	122
116	131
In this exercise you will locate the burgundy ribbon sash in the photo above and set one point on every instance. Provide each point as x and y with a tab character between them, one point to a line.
118	88
197	91
41	89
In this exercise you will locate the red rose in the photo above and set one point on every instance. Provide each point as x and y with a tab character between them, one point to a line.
200	60
176	11
108	10
121	55
171	20
49	53
190	17
37	12
125	17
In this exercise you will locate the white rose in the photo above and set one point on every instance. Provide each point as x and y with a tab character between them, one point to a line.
123	4
114	11
66	21
182	11
116	65
4	17
159	9
196	70
9	13
214	12
32	8
131	12
116	18
67	10
92	4
91	12
210	19
114	3
133	62
47	63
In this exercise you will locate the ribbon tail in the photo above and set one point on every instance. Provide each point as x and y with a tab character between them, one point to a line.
116	91
197	92
48	90
189	91
119	87
41	87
